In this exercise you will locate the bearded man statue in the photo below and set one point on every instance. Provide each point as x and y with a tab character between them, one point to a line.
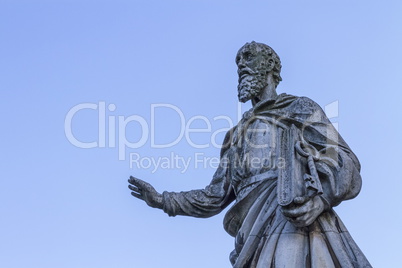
284	167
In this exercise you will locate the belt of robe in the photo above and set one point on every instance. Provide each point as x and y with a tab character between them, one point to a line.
247	182
247	192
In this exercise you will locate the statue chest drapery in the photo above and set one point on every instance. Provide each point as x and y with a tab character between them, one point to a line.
254	153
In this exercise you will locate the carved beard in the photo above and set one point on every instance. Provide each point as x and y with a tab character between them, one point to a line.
250	86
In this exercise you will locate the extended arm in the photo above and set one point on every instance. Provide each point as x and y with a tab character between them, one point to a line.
197	203
201	203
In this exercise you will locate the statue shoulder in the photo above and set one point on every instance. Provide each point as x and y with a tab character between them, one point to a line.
306	102
305	105
288	101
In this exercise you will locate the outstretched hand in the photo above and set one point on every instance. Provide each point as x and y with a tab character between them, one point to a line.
304	211
144	191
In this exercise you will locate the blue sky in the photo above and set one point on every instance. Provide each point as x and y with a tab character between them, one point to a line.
64	206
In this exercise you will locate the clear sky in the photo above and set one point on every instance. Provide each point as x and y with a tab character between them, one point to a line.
65	206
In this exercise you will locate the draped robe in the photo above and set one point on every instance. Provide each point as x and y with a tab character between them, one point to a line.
251	158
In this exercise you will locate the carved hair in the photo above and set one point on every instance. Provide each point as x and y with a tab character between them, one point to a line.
268	54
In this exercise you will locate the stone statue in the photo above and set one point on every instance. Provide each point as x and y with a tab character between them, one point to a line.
284	166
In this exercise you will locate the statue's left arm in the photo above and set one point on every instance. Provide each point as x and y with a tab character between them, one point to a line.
337	166
339	173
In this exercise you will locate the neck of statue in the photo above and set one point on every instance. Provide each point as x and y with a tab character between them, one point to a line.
268	93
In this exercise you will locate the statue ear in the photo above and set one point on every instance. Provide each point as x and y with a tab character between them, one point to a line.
270	64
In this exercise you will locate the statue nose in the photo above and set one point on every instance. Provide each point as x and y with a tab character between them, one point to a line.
241	63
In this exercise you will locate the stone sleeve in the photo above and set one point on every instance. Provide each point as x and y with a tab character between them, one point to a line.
201	203
340	179
205	202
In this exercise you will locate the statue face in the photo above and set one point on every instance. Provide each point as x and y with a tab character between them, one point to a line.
252	72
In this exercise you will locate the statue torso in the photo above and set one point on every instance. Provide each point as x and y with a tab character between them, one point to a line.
253	151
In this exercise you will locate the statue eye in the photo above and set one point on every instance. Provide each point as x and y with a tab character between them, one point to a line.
248	55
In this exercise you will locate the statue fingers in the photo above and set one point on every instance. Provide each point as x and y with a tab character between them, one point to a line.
139	183
136	192
134	181
139	196
305	220
301	199
300	220
135	189
294	212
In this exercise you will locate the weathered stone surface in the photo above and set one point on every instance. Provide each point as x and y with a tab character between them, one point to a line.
284	166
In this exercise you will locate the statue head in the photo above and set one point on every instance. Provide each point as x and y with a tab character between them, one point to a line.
255	62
